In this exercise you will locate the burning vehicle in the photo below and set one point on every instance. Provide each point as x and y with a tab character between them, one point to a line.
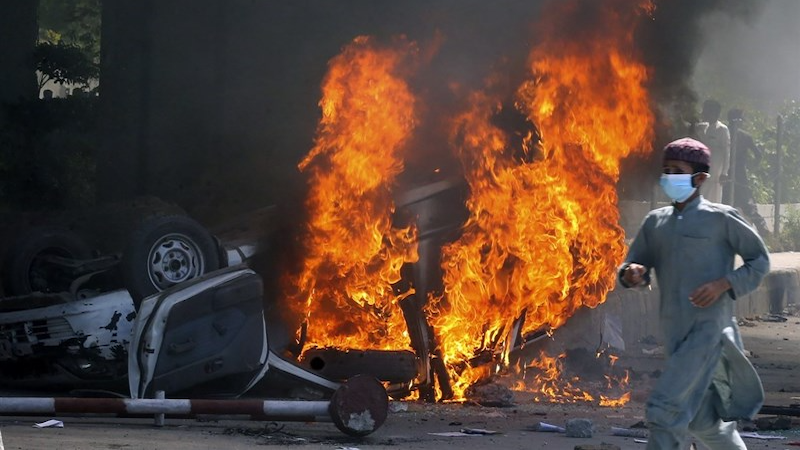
178	312
433	288
536	235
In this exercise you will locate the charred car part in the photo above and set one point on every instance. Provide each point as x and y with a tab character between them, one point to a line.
203	336
57	341
161	251
209	337
206	333
439	213
45	259
71	325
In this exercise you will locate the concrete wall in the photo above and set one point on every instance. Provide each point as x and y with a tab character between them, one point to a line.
637	309
632	213
768	212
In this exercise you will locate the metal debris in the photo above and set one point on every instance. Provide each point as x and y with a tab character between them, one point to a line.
52	423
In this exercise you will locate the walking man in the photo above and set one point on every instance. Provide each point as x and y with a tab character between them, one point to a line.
715	135
707	383
743	149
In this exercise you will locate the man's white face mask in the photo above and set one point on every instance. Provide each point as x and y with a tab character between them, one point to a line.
678	186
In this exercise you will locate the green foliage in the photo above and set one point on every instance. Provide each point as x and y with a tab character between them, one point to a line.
789	237
71	22
763	176
68	50
64	63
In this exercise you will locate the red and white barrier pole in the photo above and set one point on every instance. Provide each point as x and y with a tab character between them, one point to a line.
357	408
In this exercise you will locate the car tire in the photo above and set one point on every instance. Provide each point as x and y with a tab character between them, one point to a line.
165	251
23	270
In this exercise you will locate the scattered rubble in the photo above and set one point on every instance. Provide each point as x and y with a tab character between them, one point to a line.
52	423
773	423
763	437
396	407
747	322
548	428
478	431
602	446
579	428
773	318
491	394
629	432
791	410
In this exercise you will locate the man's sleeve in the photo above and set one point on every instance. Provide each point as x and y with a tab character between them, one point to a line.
725	147
639	252
746	242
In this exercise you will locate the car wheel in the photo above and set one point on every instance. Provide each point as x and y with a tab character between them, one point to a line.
165	251
26	268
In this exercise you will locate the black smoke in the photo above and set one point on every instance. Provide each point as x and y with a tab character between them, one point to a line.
672	42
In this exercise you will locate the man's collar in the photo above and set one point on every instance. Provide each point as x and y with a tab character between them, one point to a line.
690	205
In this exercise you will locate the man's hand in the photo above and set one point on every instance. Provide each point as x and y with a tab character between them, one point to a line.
633	275
707	294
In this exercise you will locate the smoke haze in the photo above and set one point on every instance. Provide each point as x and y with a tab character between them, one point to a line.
756	60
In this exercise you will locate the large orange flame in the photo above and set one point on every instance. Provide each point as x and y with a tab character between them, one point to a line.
542	239
353	253
545	378
550	385
543	235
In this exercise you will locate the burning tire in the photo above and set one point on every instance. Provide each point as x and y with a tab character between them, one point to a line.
165	251
29	267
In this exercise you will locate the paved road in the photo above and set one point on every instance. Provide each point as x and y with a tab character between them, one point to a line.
775	347
775	353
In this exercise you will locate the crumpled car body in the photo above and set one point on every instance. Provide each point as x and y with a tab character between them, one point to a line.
54	341
202	336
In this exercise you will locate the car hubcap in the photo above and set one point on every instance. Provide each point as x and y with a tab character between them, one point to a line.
173	259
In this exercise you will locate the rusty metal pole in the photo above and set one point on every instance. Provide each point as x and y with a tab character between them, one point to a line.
778	175
357	408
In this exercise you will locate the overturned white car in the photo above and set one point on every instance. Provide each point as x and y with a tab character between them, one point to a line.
179	311
67	317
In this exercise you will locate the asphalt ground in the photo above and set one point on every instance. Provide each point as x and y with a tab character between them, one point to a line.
773	344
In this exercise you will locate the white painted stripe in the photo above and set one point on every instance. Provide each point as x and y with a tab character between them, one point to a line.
1	441
153	406
295	408
27	405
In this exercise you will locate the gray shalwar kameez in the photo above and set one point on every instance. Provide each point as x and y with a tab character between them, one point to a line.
708	382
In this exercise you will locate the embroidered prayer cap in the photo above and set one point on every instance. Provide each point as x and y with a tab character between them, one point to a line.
689	150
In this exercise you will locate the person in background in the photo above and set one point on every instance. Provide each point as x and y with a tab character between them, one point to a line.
707	382
743	151
715	135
